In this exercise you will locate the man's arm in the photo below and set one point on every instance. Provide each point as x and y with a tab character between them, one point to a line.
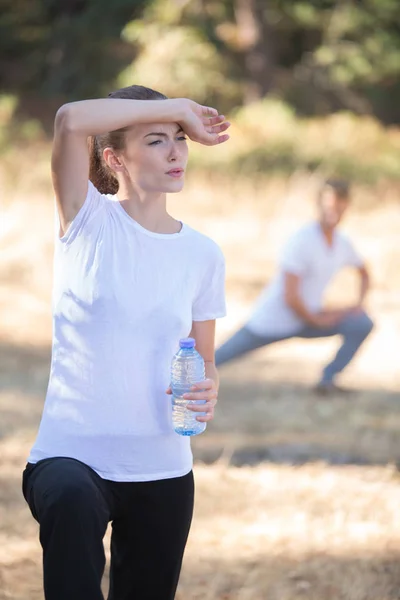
354	259
294	301
294	264
364	284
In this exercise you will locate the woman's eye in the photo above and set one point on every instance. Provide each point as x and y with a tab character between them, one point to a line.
181	138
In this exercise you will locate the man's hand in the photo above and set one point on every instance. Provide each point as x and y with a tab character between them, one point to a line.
331	317
326	319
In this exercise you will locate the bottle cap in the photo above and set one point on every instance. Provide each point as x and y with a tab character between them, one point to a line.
187	343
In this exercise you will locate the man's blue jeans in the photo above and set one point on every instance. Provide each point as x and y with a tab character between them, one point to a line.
353	329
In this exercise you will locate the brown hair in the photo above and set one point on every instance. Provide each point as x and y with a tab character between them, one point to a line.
102	177
340	187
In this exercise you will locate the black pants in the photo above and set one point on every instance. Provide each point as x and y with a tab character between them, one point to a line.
150	525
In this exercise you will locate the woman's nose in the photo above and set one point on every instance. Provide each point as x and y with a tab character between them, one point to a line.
173	152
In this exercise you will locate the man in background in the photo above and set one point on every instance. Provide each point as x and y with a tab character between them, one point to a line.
291	306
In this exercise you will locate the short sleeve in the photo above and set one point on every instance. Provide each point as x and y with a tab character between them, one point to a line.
352	258
294	258
209	303
91	211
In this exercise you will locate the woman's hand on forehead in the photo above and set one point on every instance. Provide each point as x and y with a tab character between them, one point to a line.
203	124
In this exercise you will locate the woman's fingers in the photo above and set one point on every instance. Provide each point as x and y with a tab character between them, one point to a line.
213	120
204	124
208	111
202	399
207	411
207	384
201	390
222	138
198	398
204	390
214	138
206	394
205	418
210	135
213	127
199	403
218	128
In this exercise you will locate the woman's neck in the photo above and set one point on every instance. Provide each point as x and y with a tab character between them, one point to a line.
149	210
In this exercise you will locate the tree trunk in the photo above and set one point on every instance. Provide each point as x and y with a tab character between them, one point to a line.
255	38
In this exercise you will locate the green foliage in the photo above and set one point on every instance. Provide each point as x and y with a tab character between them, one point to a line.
320	56
56	51
177	59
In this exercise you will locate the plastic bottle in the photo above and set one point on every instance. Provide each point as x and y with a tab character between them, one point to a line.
187	368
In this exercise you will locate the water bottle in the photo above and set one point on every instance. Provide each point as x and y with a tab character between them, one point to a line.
187	368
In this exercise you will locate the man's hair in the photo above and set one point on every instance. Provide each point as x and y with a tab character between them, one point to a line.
339	186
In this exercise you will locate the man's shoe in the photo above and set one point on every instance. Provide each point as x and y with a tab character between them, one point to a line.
328	388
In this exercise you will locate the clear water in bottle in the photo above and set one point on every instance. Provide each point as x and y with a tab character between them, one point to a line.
187	368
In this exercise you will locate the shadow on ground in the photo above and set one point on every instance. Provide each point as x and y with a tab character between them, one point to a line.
282	422
317	577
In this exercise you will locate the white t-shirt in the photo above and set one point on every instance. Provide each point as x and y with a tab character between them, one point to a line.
123	297
308	255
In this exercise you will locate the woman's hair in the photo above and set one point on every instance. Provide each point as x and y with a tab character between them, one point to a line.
100	174
340	187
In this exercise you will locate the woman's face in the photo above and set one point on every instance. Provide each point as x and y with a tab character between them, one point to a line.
155	157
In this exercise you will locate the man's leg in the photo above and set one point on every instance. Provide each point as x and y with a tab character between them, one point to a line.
242	342
68	500
354	329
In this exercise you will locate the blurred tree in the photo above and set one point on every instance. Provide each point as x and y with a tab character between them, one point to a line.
320	56
56	50
355	64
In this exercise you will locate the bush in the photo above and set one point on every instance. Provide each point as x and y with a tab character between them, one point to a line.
268	138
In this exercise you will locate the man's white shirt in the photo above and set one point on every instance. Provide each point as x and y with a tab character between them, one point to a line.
307	255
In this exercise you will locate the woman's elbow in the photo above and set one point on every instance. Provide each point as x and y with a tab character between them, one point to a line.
64	119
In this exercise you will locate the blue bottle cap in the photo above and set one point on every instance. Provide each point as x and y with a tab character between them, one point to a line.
187	343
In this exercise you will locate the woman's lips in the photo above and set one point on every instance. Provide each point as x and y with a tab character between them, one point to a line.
176	173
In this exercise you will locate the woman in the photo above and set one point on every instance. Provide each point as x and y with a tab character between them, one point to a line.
130	281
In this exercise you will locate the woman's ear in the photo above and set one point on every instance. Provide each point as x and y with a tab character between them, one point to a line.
112	160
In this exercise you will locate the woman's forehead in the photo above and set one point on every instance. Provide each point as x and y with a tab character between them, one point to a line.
141	130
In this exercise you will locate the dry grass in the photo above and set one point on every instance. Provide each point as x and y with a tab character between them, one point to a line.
266	530
281	533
